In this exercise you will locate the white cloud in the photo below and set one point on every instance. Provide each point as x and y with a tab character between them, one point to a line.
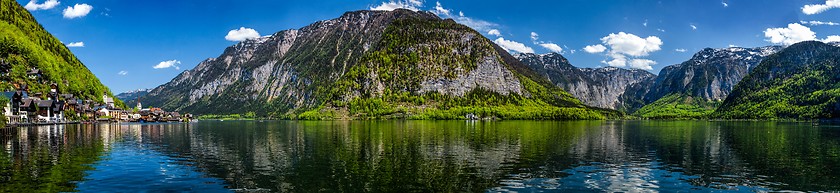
242	34
645	23
833	38
167	64
476	24
594	49
733	45
618	60
790	35
535	36
819	8
495	32
643	64
440	10
629	44
513	46
552	47
814	23
122	73
76	44
660	30
34	6
680	50
78	10
624	48
725	4
413	5
693	27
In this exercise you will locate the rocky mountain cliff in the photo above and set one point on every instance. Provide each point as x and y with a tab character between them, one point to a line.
710	74
800	82
598	87
366	64
133	95
696	87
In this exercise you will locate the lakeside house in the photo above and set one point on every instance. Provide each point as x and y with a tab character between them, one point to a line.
23	108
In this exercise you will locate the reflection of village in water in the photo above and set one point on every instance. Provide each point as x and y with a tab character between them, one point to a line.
24	108
454	156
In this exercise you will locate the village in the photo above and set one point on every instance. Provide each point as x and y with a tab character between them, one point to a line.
24	108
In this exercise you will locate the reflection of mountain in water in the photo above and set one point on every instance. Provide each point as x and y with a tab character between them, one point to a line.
47	158
439	156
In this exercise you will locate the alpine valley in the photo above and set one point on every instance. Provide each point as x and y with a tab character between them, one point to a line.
413	64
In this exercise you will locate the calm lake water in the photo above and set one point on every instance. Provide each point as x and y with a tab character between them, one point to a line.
422	156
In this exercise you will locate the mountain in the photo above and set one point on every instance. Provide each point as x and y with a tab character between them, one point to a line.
800	82
369	64
696	87
597	87
32	56
133	95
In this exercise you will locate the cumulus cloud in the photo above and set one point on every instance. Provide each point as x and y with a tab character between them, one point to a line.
618	60
629	44
495	32
725	4
413	5
643	64
680	50
623	49
509	45
34	6
476	24
242	34
693	27
440	10
552	47
812	9
168	64
594	49
78	10
76	44
815	23
535	36
122	73
792	34
834	38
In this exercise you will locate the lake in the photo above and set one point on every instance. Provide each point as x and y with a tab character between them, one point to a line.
422	156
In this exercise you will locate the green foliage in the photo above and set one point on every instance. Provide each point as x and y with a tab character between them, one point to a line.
71	115
221	117
316	114
678	106
25	44
3	102
801	82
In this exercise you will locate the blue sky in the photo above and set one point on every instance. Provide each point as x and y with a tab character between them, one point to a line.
123	41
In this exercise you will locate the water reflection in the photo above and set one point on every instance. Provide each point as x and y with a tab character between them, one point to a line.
46	159
428	156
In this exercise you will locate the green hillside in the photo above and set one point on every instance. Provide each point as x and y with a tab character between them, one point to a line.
678	106
24	45
801	82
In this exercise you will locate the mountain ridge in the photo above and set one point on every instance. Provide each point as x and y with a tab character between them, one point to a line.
347	67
